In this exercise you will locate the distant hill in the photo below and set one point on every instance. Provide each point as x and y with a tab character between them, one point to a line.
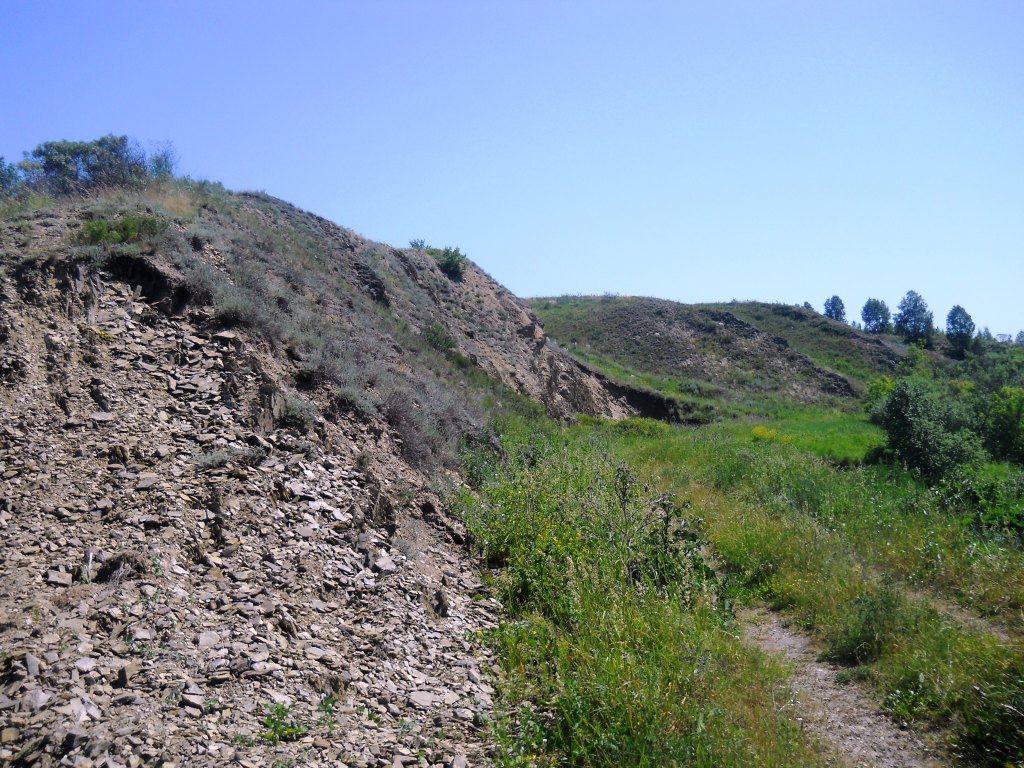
737	354
859	356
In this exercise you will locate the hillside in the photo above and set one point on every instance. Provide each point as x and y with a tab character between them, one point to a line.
740	353
226	425
856	355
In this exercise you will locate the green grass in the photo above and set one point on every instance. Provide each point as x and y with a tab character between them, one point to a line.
843	436
617	649
607	612
852	554
704	402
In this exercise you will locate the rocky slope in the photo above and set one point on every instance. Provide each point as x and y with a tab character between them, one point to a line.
177	561
220	455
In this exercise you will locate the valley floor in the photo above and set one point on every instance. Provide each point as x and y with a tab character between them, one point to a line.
633	555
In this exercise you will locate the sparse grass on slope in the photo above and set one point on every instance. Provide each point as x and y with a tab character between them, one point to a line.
343	311
858	356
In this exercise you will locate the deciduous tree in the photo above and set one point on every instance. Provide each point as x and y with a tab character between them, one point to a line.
876	317
959	329
834	309
9	178
913	321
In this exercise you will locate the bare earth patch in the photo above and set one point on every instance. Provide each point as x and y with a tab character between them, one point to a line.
840	715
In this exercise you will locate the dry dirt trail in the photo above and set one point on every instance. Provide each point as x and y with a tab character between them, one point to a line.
840	715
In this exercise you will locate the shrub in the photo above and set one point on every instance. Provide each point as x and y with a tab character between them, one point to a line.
924	434
878	392
438	338
451	261
298	412
1005	423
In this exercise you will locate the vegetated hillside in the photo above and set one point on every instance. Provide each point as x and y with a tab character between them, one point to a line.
381	328
226	426
713	352
859	356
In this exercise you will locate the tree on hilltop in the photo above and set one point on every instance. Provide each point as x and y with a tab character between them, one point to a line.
876	317
9	178
834	309
913	321
959	329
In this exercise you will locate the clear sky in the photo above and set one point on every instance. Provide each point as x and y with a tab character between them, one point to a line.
696	151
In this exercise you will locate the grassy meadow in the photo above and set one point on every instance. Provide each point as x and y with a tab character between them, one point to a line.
620	550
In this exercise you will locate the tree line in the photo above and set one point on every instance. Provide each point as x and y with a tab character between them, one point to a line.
915	323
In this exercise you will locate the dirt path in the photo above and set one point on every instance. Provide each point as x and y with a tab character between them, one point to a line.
839	715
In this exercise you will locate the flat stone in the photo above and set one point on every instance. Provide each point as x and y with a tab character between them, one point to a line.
85	664
101	416
422	699
9	735
58	578
35	699
208	639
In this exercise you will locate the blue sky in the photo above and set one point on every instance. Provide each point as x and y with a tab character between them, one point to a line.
780	151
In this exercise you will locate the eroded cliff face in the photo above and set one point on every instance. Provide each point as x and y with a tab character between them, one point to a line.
220	456
188	542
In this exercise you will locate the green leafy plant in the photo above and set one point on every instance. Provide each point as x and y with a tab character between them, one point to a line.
326	709
438	338
451	261
279	725
127	229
